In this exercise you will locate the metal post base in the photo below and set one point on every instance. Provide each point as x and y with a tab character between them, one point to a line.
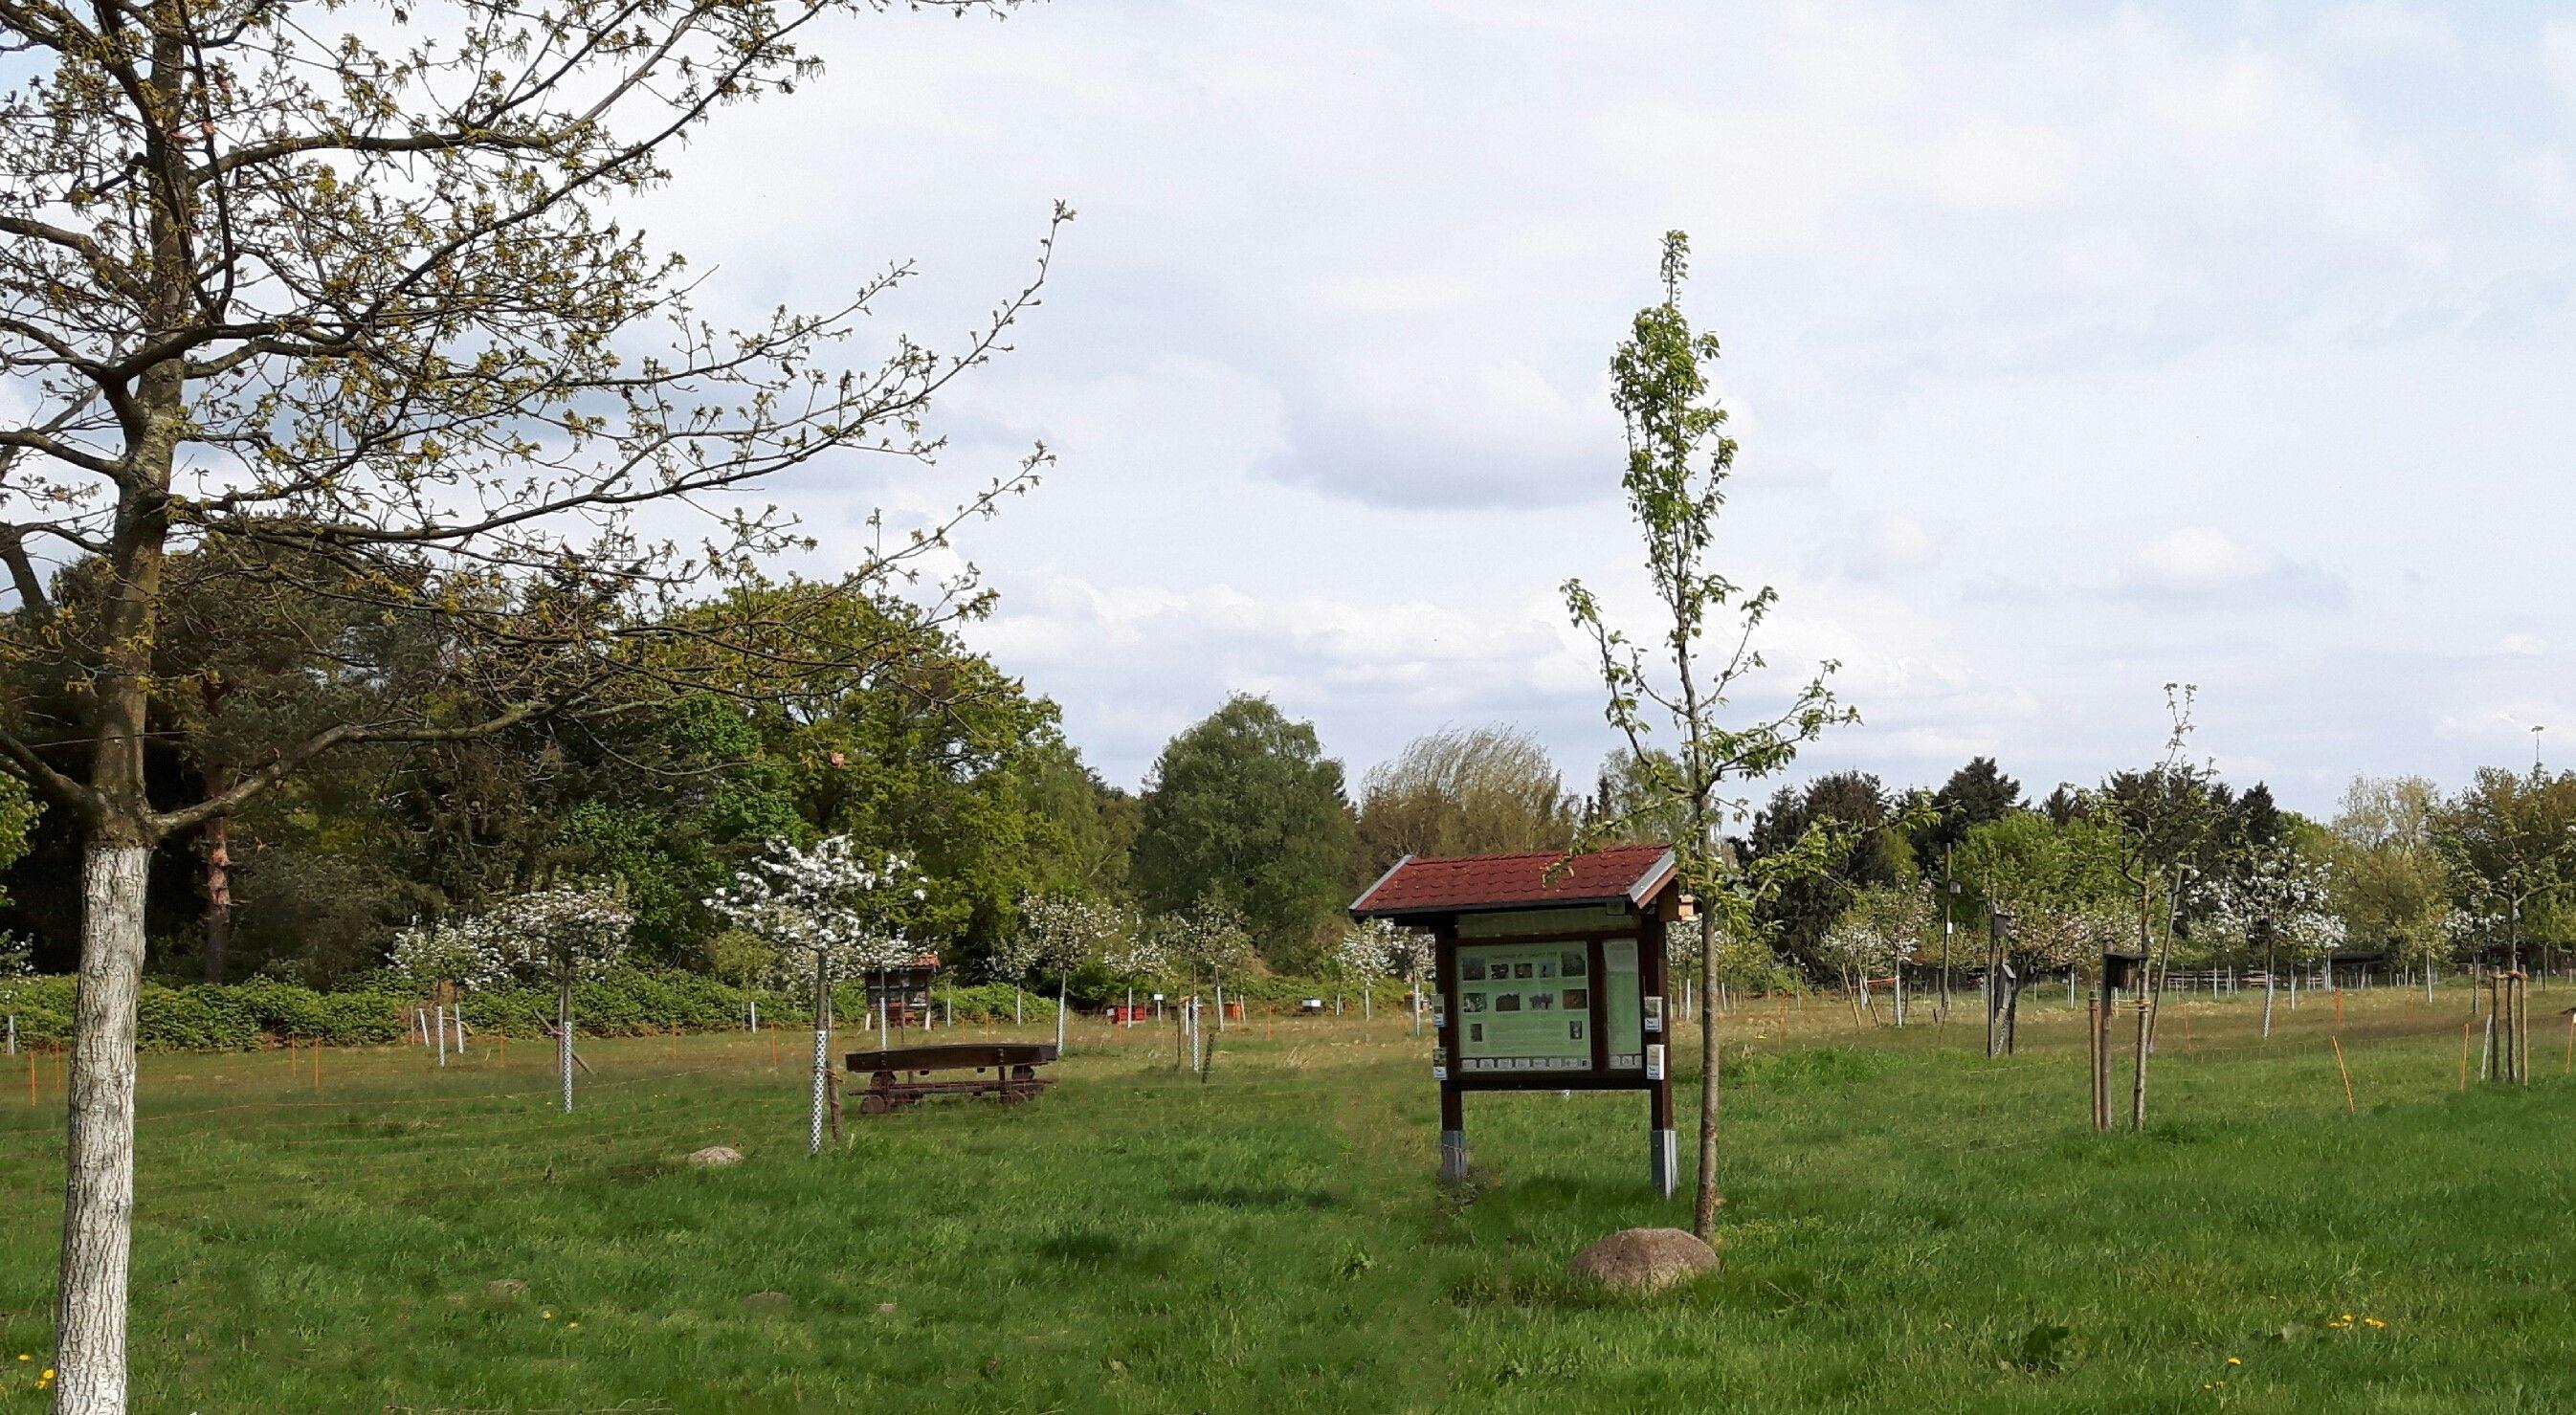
1664	1163
1453	1158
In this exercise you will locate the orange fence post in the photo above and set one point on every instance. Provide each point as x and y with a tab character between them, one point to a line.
2348	1107
2464	1056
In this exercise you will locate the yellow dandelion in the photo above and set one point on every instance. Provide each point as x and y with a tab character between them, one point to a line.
572	1326
2347	1316
2235	1360
546	1316
23	1356
48	1375
2374	1321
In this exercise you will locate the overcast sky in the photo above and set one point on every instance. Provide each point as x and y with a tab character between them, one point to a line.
2073	349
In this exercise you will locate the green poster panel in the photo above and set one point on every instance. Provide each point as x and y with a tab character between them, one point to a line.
1527	1006
1625	993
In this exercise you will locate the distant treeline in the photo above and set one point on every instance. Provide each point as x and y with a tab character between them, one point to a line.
947	759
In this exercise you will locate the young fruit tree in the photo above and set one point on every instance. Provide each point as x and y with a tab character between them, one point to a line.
2162	815
561	935
1059	933
1135	955
439	956
321	300
2278	904
1878	934
1374	950
829	911
1679	459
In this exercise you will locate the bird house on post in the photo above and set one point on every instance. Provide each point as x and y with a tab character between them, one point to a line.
1550	972
2123	973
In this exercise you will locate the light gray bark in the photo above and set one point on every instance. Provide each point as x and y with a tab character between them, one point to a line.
98	1189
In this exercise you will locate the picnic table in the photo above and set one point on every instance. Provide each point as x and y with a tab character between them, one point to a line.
902	1076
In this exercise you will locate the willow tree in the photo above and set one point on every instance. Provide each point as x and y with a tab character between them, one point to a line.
1679	460
331	298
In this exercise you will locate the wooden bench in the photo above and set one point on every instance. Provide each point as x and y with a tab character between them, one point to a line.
902	1076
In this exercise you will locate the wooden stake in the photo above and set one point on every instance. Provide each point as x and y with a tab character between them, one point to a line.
31	1077
317	1066
2348	1107
2338	997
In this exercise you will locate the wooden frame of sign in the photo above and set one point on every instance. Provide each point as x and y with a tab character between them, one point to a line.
1581	1007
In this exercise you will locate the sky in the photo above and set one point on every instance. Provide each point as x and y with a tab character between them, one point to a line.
2073	349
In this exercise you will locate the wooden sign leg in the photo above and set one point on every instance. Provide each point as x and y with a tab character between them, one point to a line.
1453	1138
1663	1155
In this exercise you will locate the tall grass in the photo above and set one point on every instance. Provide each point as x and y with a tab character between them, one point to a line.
1909	1226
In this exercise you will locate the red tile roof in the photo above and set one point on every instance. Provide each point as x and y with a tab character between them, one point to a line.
1469	883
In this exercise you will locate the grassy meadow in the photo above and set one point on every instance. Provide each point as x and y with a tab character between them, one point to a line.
1909	1226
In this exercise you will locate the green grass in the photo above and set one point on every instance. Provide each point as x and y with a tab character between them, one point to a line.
1909	1226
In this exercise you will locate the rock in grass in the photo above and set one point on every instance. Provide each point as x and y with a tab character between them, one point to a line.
1643	1259
769	1304
714	1156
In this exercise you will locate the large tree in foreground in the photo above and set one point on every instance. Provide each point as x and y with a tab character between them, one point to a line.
1696	659
332	299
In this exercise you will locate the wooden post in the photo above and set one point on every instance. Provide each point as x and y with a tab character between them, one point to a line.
2348	1107
1453	1101
31	1079
317	1066
2093	1051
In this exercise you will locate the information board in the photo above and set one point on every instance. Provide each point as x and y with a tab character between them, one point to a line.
1525	1007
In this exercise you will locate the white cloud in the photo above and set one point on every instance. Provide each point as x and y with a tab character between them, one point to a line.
2073	351
2199	558
2558	56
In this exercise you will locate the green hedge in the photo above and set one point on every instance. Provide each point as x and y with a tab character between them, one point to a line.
264	1012
377	1010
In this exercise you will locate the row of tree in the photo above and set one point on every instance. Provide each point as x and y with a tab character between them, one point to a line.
2172	862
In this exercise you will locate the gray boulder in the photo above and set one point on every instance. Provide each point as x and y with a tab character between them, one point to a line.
1643	1259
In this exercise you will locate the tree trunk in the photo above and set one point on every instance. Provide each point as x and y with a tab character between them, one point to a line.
217	846
1706	1198
563	1037
98	1192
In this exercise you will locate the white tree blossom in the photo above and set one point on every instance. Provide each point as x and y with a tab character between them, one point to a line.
1209	937
1879	930
2279	906
563	934
463	949
1059	933
1377	949
825	908
830	912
